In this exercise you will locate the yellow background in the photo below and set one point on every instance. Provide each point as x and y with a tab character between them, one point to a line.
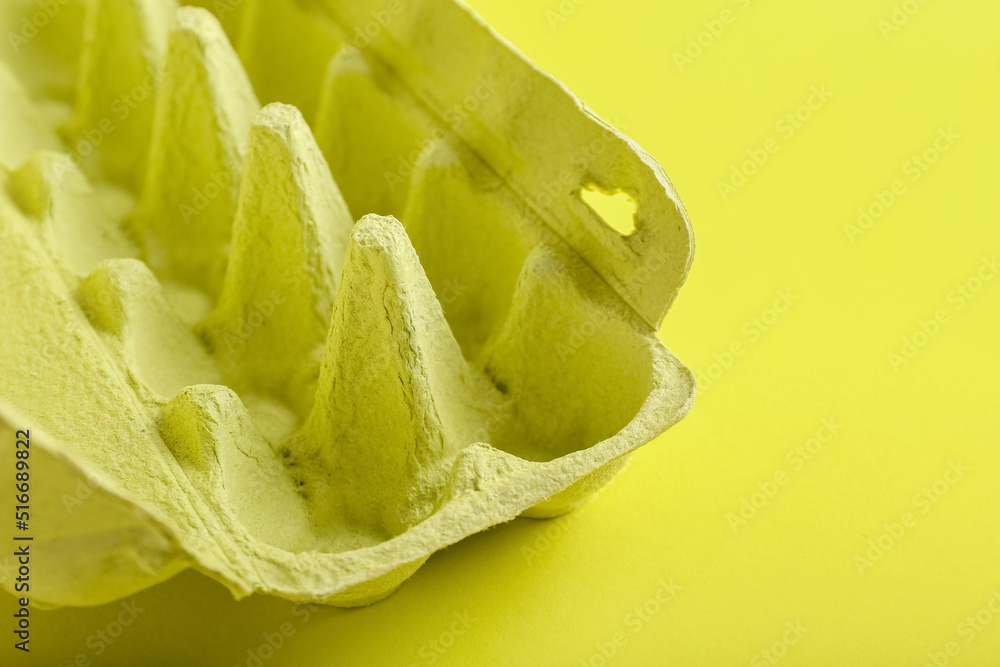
563	592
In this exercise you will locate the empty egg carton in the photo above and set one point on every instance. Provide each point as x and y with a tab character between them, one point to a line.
214	367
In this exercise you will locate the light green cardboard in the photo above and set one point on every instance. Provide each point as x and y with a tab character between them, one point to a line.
302	358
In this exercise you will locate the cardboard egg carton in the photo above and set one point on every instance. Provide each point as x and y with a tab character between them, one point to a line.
224	350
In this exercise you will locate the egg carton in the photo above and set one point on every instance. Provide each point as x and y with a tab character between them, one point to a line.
212	365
